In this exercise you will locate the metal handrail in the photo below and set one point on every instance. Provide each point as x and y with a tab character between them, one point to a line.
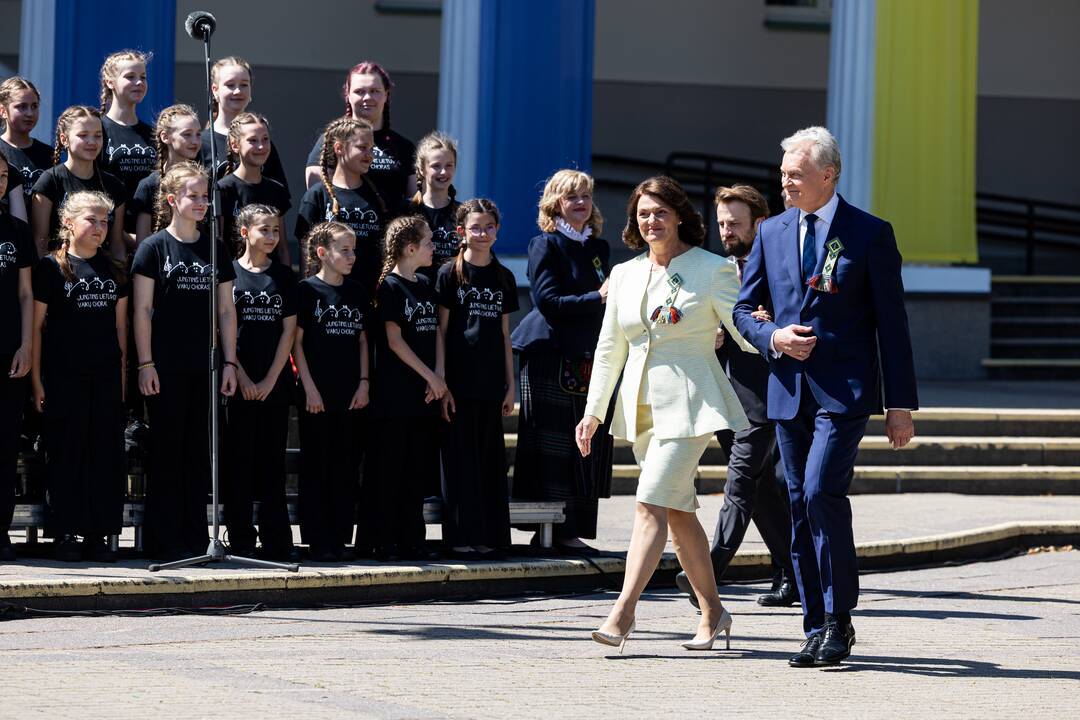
1034	223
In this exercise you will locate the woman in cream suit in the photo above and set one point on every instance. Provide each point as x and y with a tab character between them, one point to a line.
659	331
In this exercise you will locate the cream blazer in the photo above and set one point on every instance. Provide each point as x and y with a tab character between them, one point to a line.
688	390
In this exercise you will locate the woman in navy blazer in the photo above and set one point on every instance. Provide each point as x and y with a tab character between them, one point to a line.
568	270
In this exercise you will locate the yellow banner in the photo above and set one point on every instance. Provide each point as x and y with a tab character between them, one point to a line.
924	141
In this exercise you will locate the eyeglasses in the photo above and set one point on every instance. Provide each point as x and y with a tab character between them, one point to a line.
477	231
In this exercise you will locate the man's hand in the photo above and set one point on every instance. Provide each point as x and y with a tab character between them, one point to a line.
719	337
796	341
899	427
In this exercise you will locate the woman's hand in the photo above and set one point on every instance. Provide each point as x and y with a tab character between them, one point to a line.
584	432
20	363
148	382
761	314
360	397
228	381
37	394
603	291
313	401
719	338
248	391
448	406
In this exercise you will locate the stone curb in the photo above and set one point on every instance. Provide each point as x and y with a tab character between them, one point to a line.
378	583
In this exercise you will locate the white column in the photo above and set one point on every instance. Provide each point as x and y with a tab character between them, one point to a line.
852	70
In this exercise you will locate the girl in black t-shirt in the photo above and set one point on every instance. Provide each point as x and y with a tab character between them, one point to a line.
367	92
347	195
257	426
129	151
409	387
249	148
78	131
177	138
79	349
476	295
436	163
231	82
172	279
17	257
20	108
331	356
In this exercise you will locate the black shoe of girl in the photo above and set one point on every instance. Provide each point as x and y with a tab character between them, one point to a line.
288	554
97	550
68	549
346	554
246	551
388	553
323	555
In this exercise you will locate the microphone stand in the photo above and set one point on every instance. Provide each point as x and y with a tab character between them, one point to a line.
215	551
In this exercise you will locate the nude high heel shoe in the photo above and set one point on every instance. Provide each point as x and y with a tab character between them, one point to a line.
724	625
612	639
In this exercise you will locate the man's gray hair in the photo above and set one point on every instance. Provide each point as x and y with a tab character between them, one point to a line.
824	150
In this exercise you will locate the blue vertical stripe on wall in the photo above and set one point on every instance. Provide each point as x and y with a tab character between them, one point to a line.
86	31
521	106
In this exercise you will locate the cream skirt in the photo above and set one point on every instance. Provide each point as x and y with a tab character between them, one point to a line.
668	467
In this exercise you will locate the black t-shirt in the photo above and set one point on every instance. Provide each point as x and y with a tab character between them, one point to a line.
58	182
235	194
443	233
393	161
129	152
145	198
181	273
332	318
80	328
475	354
272	169
399	390
28	164
263	300
16	251
14	184
359	209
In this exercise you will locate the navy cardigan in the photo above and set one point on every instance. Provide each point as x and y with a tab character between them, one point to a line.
564	286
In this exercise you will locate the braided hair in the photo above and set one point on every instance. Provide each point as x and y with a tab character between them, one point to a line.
247	218
171	182
12	85
476	205
367	67
400	233
214	69
341	130
109	69
74	204
321	236
236	130
63	126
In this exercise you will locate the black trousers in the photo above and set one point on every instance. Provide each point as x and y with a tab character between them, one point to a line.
330	455
176	493
406	452
84	453
752	493
12	401
256	434
476	508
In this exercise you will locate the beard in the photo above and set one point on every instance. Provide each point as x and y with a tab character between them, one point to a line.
738	247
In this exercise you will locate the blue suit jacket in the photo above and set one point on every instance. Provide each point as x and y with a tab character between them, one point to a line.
863	342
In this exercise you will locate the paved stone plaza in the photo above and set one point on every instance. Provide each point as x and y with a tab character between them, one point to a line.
993	639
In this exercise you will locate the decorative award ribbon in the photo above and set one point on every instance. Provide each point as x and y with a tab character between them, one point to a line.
599	268
668	314
825	282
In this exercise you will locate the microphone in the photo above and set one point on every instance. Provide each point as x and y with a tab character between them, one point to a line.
200	25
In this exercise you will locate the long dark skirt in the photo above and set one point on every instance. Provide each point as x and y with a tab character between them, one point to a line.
547	465
475	497
84	453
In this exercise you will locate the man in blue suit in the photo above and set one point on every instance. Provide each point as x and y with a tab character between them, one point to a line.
830	275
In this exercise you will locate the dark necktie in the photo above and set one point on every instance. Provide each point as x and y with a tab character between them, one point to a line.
809	251
740	265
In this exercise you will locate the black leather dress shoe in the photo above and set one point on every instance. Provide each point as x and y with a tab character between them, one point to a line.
806	655
683	583
67	549
784	596
837	639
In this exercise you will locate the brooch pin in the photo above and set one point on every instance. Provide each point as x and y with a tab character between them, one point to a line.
599	266
668	314
825	282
